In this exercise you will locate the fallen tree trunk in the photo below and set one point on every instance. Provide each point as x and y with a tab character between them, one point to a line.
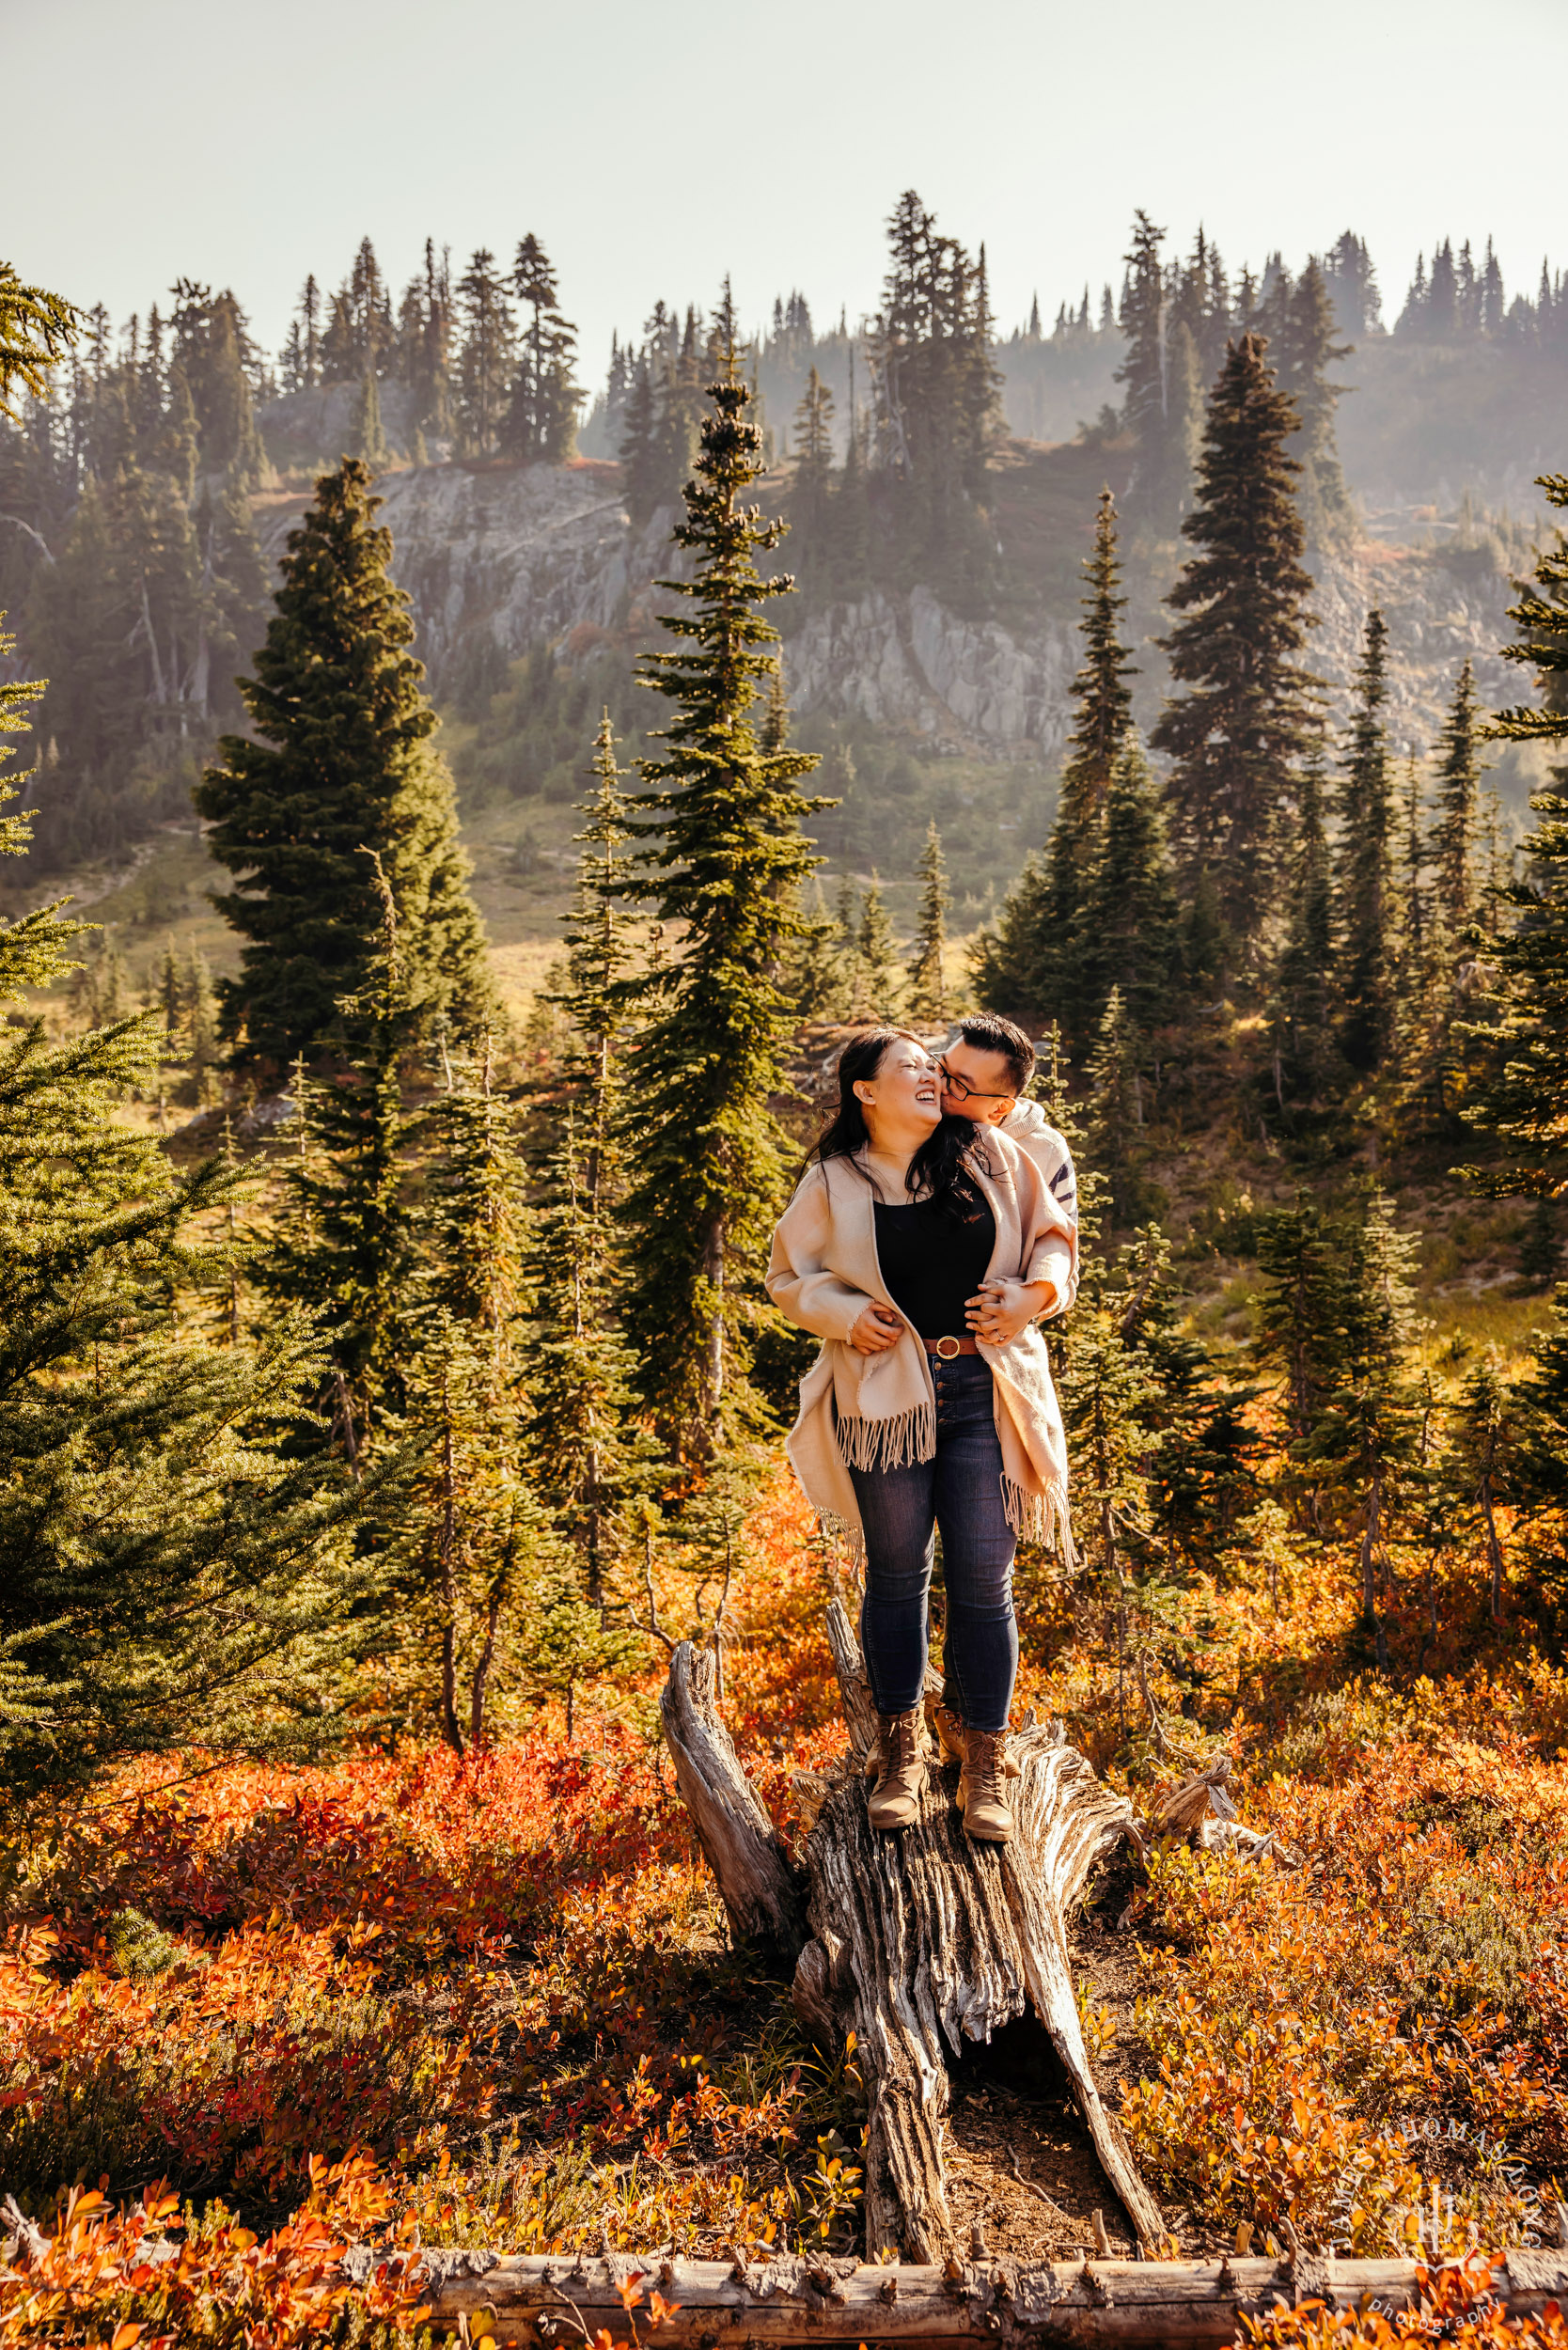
925	1941
549	2302
743	1848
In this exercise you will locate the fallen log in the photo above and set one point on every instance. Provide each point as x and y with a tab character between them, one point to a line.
925	1941
551	2300
756	1881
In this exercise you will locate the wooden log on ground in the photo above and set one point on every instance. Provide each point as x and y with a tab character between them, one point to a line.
548	2300
944	1941
922	1942
758	1886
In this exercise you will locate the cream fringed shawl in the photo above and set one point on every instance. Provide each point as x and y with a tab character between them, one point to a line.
879	1411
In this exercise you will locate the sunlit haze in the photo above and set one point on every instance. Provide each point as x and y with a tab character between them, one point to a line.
653	150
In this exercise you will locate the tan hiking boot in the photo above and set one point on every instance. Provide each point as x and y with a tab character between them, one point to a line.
982	1785
946	1727
897	1764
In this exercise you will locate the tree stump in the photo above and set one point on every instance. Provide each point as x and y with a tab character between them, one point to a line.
923	1941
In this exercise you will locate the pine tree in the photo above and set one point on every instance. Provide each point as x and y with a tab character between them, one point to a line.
811	489
599	961
484	359
1522	1094
341	764
1366	864
369	440
1307	350
1365	1450
814	974
1302	1022
1143	368
1301	1311
1115	1107
1036	963
167	1574
1457	835
879	979
347	1245
928	994
1236	737
542	425
1130	919
37	330
1477	1472
1015	968
724	862
639	452
592	1463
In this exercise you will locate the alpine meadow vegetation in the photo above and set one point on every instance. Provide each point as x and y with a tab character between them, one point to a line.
375	1428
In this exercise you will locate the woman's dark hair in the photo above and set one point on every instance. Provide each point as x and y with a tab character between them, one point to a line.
936	1170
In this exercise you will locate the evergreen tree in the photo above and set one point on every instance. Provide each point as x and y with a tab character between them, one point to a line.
37	330
1368	928
1522	1094
1115	1107
639	452
599	964
1015	968
928	994
1307	350
1129	925
814	974
1477	1471
725	859
1301	1310
879	973
1143	367
485	354
167	1574
592	1463
811	489
1365	1450
341	764
1100	688
1455	838
347	1247
369	440
1302	1023
1036	963
542	425
1236	737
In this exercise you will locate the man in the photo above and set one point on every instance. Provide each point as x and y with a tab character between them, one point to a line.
985	1070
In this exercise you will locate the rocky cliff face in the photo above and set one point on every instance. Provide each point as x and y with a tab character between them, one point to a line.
522	554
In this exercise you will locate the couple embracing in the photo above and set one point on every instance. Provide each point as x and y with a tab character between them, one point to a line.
934	1227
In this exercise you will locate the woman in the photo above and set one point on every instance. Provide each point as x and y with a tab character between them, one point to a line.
920	1252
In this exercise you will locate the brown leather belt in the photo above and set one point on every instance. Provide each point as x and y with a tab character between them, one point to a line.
946	1350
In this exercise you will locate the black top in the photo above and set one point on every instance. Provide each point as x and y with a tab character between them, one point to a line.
932	1263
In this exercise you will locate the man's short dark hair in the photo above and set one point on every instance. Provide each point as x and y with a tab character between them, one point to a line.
988	1032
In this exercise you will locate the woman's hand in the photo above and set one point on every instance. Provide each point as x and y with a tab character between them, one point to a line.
1005	1307
878	1328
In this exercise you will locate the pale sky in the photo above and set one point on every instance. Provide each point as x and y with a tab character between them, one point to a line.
654	146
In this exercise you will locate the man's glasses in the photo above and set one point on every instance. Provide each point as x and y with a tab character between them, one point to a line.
961	1087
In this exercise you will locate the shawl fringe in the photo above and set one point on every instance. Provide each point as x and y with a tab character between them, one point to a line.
898	1442
1041	1518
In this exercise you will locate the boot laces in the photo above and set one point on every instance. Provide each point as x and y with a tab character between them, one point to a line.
987	1765
900	1746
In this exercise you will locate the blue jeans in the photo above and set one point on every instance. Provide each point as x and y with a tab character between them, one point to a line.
960	1490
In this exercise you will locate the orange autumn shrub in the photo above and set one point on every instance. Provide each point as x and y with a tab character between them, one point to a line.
1455	2304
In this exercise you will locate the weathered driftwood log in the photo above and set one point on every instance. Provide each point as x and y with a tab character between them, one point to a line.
758	1886
931	1940
920	1942
544	2300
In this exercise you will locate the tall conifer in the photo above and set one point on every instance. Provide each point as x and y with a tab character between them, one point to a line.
1368	923
1522	1099
722	869
928	992
339	763
1235	739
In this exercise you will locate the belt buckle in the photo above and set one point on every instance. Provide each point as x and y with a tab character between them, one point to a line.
949	1349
